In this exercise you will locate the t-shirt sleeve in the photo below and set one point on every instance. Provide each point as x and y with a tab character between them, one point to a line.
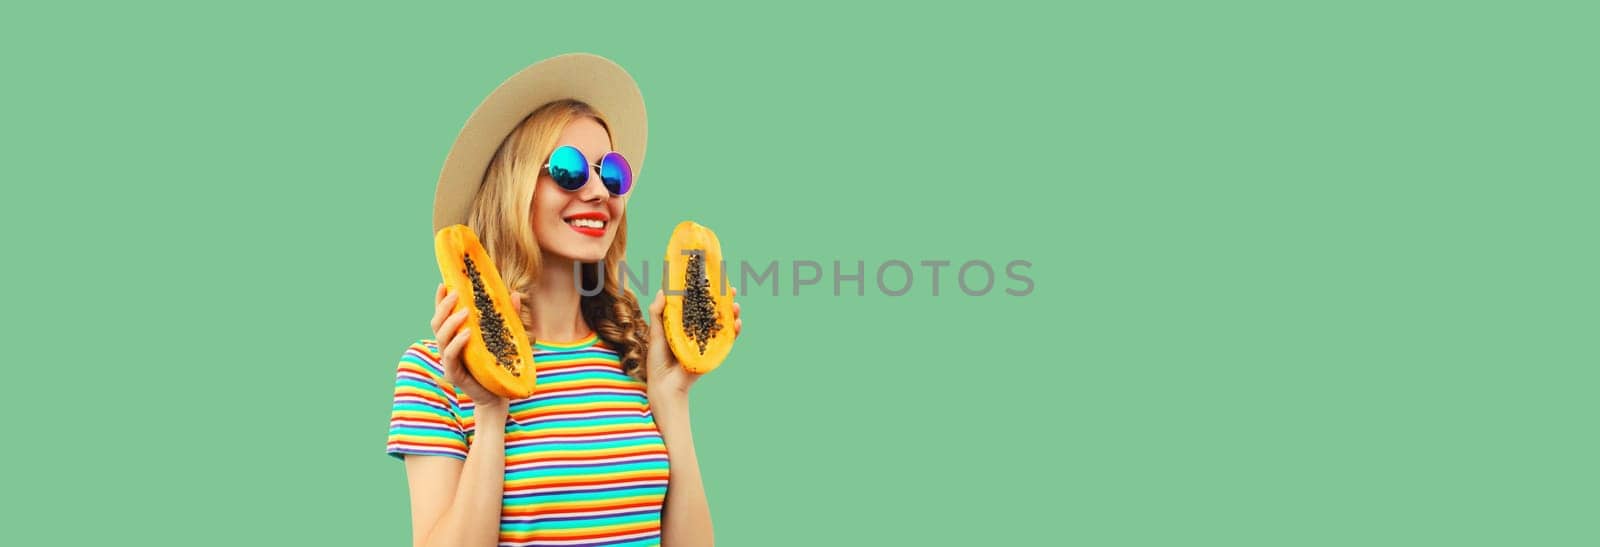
426	418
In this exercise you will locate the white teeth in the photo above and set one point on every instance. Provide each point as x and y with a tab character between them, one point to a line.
587	223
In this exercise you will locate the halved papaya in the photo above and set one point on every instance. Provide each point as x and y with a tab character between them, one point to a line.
699	314
497	354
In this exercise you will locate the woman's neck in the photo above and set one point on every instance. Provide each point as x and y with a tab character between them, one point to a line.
554	303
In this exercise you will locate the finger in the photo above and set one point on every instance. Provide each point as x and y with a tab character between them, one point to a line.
447	330
658	335
733	291
439	294
441	311
451	356
657	306
738	326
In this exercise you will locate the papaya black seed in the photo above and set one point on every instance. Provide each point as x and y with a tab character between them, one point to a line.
491	325
701	322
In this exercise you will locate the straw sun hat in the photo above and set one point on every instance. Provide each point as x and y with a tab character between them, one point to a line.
582	76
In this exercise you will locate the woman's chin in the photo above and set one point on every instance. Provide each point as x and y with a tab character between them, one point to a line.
586	252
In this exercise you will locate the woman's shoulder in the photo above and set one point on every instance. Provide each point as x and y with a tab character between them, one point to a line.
422	356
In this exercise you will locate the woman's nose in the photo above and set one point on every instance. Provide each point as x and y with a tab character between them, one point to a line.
594	190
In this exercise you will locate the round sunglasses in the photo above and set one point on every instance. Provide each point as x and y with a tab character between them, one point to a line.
571	170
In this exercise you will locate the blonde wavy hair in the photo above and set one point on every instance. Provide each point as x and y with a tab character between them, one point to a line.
501	215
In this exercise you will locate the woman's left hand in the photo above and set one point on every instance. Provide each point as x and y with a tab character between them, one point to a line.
663	374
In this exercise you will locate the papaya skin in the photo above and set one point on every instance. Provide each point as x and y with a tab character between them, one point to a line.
453	246
689	236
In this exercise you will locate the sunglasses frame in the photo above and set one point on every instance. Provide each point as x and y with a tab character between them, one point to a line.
594	170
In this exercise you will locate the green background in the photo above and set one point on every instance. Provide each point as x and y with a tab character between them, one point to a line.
1305	275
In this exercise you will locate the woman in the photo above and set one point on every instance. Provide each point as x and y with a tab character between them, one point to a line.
601	453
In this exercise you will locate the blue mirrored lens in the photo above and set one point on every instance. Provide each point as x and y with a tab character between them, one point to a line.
569	168
616	173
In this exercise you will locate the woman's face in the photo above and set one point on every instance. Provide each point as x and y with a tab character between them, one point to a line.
556	210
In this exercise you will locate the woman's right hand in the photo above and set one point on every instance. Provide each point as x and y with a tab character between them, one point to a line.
452	341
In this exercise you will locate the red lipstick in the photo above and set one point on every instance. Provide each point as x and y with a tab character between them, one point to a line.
589	225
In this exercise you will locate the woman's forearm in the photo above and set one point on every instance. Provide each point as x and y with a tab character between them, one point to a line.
473	518
686	516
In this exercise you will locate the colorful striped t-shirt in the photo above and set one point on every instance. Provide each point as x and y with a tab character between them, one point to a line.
585	464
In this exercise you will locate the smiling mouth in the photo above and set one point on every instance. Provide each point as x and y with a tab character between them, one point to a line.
593	223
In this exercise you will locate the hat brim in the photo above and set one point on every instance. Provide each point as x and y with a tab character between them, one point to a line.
582	76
